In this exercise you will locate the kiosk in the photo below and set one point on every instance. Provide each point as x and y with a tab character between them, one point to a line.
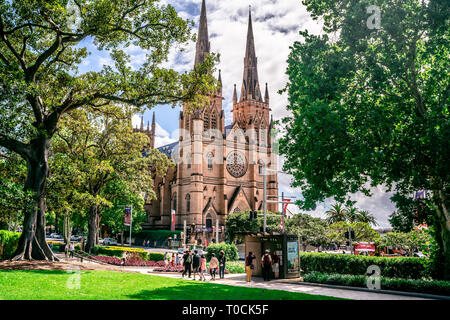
284	245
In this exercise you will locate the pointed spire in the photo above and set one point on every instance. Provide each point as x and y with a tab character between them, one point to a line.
220	77
153	124
148	126
142	123
266	97
235	99
203	44
250	85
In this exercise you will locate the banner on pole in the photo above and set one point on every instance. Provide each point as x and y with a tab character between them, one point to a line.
172	225
284	213
127	216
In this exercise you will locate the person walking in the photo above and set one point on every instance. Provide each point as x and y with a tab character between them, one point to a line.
202	268
124	258
276	265
266	263
177	259
172	260
166	259
213	265
196	264
71	250
187	262
222	263
249	266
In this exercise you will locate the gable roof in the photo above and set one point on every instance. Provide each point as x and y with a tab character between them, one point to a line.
234	197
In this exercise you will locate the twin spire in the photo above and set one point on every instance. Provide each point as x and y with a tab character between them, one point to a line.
250	85
203	44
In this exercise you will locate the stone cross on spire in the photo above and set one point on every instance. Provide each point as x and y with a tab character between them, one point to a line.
203	44
250	85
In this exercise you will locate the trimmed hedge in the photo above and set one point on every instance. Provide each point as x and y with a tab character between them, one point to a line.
231	251
8	244
401	267
118	251
156	257
360	281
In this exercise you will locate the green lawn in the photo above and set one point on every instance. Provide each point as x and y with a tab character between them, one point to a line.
110	285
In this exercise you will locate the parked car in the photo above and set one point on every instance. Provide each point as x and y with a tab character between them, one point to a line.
75	238
109	242
56	236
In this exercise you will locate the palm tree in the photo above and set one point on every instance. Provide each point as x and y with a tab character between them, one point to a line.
335	214
352	214
365	216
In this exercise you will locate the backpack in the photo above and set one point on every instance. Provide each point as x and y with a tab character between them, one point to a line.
266	260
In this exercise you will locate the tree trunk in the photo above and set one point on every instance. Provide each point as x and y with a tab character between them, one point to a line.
444	231
32	243
92	239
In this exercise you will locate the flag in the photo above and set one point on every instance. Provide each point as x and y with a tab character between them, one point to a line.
127	216
284	212
172	225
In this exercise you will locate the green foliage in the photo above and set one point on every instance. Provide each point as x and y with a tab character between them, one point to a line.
370	106
235	267
312	231
407	285
239	222
118	251
401	267
413	240
8	244
155	256
231	251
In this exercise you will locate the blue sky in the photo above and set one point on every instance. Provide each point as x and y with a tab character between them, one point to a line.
276	25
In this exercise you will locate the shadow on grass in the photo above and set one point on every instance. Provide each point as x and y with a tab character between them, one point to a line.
204	291
41	272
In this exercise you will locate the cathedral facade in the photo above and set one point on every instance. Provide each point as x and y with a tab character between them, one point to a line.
219	168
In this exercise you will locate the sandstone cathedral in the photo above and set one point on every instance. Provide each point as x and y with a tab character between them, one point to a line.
219	168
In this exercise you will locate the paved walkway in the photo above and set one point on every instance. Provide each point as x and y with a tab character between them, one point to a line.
240	281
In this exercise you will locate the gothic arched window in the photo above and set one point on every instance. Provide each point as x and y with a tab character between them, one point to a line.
188	203
210	161
260	167
188	122
174	201
206	120
213	120
208	221
188	160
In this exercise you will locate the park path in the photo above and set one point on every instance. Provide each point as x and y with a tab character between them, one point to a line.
239	280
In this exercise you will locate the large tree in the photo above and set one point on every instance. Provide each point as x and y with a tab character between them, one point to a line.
102	147
42	43
370	103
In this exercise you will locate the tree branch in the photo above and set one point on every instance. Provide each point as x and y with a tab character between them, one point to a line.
16	146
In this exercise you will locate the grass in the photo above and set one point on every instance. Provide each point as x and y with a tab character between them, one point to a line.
112	285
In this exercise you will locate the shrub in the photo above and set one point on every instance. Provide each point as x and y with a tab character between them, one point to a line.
235	267
129	262
401	267
231	251
156	256
118	251
360	281
8	244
